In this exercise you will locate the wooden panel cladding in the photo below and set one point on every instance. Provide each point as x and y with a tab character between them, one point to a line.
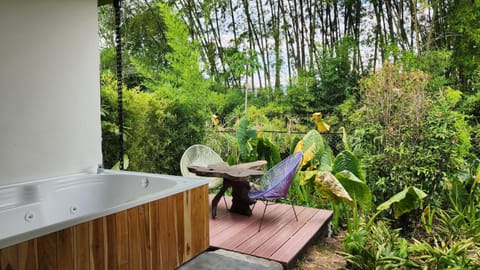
158	235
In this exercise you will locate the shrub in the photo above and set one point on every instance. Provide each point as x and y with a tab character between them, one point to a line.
411	137
158	128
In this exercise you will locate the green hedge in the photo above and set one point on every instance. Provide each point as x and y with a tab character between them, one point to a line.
158	128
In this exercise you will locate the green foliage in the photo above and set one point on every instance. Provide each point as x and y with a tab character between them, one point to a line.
145	33
462	22
312	145
356	188
443	255
245	136
449	240
464	195
267	151
241	65
336	80
171	116
126	163
379	248
253	146
340	179
159	128
471	107
299	96
143	40
183	60
233	99
434	63
404	201
330	187
346	160
302	190
411	137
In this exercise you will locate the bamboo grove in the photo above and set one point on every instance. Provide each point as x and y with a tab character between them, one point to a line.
277	40
289	36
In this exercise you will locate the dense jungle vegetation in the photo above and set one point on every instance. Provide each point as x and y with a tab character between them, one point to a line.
381	96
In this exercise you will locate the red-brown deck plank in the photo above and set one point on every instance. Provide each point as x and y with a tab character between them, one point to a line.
278	240
270	228
296	243
224	222
281	238
248	228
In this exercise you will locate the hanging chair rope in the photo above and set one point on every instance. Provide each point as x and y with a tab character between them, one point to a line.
118	48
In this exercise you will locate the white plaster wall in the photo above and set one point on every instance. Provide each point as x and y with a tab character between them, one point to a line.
49	89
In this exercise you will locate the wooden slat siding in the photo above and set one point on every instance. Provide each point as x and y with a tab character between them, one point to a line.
163	233
155	236
134	245
65	249
111	248
82	246
8	258
267	249
298	241
180	226
144	229
47	252
27	255
200	220
247	228
144	237
97	244
172	232
121	237
187	221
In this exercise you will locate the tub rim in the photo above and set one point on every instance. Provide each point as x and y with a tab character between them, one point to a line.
187	184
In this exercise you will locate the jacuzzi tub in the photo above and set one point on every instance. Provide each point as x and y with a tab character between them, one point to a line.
31	209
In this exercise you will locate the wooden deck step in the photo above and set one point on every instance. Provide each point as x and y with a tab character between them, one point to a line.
281	238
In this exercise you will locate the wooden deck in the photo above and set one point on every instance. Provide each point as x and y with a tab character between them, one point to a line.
281	238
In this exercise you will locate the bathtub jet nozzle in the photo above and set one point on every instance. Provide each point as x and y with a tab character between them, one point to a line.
100	169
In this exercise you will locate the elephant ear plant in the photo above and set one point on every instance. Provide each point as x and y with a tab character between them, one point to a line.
339	179
254	146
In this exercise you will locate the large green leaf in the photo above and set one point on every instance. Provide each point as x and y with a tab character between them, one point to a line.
326	160
267	151
305	176
346	160
244	135
404	201
356	188
312	146
329	186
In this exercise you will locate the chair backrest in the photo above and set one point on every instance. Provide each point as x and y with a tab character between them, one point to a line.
200	155
276	181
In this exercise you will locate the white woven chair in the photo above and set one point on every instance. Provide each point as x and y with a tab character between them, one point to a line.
200	155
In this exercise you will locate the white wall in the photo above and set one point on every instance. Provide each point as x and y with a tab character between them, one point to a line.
49	89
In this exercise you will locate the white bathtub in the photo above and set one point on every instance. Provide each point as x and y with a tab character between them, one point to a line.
32	209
